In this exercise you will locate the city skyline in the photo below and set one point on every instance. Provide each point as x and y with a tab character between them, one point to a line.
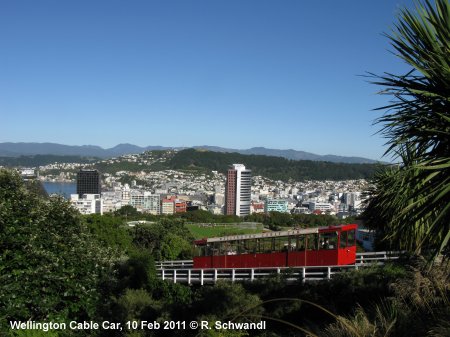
185	74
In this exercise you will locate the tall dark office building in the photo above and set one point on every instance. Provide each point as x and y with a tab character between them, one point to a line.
88	182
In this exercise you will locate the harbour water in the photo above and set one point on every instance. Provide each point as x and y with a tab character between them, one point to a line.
64	189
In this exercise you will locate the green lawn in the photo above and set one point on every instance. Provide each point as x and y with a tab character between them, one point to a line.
201	231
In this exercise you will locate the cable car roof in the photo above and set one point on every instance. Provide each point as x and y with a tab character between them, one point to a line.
290	232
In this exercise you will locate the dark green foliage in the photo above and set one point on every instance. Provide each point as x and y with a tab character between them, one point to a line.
165	240
277	220
271	167
127	210
110	231
415	303
138	304
423	296
200	216
137	271
35	186
50	267
417	125
306	305
230	301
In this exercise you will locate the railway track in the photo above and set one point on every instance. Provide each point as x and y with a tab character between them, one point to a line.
181	271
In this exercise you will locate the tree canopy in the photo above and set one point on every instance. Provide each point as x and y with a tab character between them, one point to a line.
50	267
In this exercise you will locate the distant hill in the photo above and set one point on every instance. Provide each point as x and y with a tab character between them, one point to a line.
291	154
271	166
43	159
27	149
204	161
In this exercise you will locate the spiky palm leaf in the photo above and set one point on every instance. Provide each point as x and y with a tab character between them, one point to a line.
417	197
393	199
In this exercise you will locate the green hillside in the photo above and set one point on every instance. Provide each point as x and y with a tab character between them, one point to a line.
276	168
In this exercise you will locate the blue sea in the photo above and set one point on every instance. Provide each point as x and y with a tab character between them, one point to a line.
64	189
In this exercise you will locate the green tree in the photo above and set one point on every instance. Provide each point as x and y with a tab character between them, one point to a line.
110	231
175	247
276	220
50	267
414	197
127	211
137	304
166	239
231	301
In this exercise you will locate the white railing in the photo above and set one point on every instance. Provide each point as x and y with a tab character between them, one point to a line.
209	276
174	264
368	257
365	257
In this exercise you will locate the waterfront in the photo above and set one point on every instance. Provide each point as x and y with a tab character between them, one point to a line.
62	188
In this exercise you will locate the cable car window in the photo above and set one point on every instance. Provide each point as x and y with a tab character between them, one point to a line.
300	242
215	249
266	245
232	248
250	246
222	247
199	250
328	240
280	244
241	247
311	241
209	250
202	250
276	245
351	238
237	247
343	240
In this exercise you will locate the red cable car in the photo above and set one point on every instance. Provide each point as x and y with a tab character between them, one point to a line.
323	246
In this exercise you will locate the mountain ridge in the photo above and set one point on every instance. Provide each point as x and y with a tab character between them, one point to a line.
11	149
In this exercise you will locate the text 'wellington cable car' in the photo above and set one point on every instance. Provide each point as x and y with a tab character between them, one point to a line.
323	246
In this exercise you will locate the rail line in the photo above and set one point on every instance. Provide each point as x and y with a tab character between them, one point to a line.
181	271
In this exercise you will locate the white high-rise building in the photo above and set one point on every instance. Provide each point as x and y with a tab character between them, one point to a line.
321	206
88	203
352	199
146	202
238	190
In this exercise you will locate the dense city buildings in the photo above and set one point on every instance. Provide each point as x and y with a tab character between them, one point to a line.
156	192
172	204
238	190
88	182
276	205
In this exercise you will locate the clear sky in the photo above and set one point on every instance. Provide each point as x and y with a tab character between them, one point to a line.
230	73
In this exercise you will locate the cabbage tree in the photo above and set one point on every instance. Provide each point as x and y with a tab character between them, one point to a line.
413	199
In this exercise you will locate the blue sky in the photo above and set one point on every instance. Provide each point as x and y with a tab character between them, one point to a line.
237	74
